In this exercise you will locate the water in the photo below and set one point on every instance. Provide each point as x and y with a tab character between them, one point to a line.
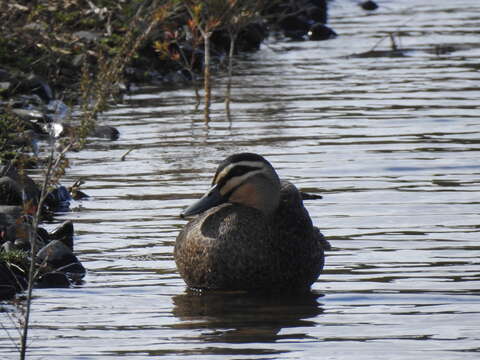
392	144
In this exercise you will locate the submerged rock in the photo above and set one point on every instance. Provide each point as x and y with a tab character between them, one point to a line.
369	5
295	18
58	200
105	132
53	279
320	32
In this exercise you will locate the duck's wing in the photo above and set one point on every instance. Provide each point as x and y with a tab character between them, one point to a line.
321	239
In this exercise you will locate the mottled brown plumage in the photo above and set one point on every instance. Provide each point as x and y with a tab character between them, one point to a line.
236	247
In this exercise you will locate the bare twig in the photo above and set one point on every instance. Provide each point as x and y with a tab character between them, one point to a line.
124	156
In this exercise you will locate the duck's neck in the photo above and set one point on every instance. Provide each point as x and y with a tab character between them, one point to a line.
260	193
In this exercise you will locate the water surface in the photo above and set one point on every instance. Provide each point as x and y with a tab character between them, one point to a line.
392	144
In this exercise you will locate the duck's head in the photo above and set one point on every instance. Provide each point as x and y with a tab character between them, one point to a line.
246	179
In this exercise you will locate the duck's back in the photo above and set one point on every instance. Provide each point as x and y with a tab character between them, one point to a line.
235	247
300	244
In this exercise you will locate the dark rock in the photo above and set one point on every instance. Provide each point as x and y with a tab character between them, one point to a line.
295	27
64	233
56	256
251	37
320	32
318	11
105	132
10	281
43	236
58	200
53	279
29	188
6	291
10	192
369	5
295	18
78	194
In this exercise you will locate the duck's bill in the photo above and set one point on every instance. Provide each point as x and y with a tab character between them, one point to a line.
211	198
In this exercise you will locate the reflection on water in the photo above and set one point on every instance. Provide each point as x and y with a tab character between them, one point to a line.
392	144
243	318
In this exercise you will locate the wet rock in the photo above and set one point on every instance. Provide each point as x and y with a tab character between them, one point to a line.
66	130
58	200
53	279
295	27
369	5
105	132
10	281
64	233
251	37
296	17
78	194
10	192
319	32
57	257
75	191
43	235
30	190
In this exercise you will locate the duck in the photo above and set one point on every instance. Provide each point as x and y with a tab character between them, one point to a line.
249	232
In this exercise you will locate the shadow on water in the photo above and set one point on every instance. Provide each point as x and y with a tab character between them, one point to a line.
236	317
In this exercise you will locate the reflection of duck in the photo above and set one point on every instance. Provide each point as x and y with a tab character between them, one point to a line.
253	232
235	317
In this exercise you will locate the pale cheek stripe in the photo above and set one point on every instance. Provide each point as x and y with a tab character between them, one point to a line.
227	168
237	181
